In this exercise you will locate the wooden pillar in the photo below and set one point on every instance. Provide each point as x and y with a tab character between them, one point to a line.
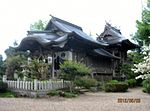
53	73
113	63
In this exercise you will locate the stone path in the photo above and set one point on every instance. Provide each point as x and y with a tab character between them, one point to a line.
89	102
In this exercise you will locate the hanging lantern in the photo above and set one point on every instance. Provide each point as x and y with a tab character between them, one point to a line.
49	60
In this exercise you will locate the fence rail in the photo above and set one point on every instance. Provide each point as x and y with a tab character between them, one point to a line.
37	85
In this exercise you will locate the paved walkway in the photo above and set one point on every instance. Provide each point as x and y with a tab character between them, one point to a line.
89	102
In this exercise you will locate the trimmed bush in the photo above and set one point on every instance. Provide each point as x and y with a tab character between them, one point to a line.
53	93
139	81
131	82
3	86
86	82
113	81
116	87
146	85
69	95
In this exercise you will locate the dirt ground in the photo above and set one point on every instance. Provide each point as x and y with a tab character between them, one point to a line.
133	100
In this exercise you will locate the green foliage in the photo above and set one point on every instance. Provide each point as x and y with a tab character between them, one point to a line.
146	85
131	82
13	64
62	94
71	70
3	86
113	81
126	70
38	26
135	57
14	60
143	27
86	82
139	82
70	95
37	70
10	51
115	86
53	93
2	67
8	94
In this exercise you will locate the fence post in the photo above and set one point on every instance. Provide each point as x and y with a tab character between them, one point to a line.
4	78
62	83
18	83
35	84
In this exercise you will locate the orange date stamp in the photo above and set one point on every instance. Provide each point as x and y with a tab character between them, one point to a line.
129	100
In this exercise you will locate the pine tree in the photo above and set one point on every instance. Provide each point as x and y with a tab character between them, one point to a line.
143	26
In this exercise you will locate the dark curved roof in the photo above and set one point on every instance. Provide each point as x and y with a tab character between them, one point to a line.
48	37
62	35
105	53
113	36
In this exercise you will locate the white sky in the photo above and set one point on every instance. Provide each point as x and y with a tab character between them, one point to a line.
17	15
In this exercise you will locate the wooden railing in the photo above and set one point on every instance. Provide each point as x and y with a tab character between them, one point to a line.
37	85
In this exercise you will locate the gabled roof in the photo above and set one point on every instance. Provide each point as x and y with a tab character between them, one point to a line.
62	22
113	36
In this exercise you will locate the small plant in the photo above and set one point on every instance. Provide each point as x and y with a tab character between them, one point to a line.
62	93
116	86
8	94
131	82
3	86
53	93
86	82
70	95
146	85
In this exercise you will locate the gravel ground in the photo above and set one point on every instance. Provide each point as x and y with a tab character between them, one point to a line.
88	102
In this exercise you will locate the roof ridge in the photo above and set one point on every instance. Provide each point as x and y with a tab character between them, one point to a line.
112	27
65	22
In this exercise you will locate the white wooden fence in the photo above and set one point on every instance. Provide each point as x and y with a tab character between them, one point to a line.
36	85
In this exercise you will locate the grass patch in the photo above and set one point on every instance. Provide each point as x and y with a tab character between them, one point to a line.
60	93
8	94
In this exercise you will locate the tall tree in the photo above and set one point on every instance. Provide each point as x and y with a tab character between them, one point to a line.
2	66
143	26
38	26
14	60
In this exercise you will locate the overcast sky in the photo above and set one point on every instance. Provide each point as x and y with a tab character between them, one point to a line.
17	15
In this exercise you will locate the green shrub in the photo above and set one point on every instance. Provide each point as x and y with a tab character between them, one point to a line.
146	85
3	86
71	70
113	81
53	93
69	95
139	82
126	70
86	82
8	94
131	82
100	86
116	87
